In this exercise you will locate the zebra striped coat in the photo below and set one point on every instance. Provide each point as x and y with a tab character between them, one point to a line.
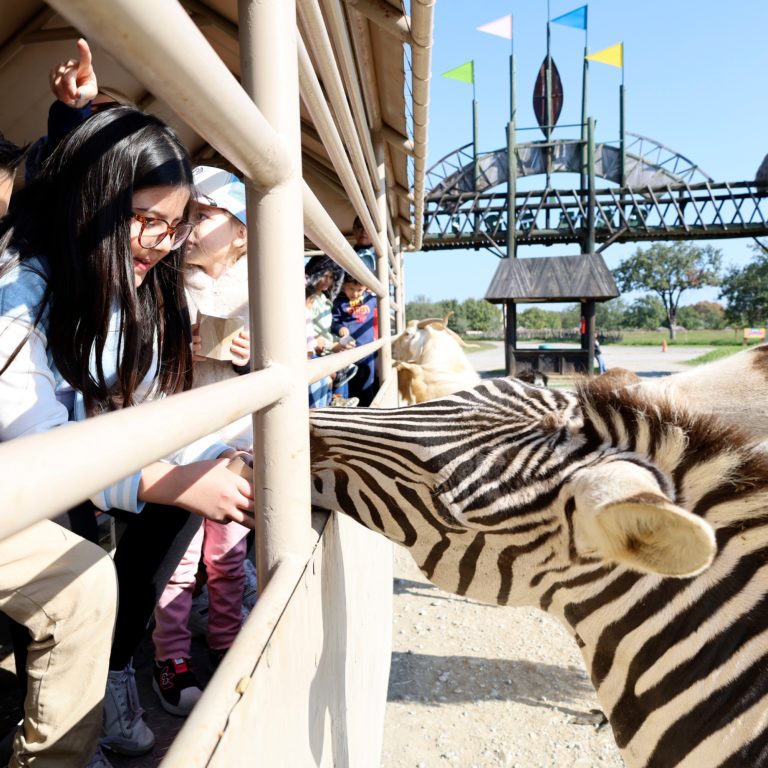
642	527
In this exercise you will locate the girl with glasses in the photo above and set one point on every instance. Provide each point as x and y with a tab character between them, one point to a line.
93	319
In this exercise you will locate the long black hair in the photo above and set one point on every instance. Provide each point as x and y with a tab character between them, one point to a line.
77	214
314	270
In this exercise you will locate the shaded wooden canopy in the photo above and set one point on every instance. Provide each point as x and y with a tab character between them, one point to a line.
34	38
552	278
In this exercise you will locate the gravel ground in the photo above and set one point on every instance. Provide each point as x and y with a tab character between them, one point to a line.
478	686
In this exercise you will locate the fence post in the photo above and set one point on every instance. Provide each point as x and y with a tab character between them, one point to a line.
269	73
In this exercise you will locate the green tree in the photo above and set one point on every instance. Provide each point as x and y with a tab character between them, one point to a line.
703	314
645	312
746	291
419	308
668	270
537	318
481	315
570	317
609	315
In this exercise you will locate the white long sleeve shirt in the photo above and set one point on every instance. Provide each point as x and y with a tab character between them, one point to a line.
35	398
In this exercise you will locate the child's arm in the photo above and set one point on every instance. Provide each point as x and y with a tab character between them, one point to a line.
205	488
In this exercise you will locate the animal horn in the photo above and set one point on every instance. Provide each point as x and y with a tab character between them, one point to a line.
427	321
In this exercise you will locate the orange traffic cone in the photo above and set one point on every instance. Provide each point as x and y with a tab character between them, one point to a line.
663	345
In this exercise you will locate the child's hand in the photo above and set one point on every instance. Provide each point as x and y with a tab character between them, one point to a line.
319	345
197	344
347	342
74	81
241	348
207	488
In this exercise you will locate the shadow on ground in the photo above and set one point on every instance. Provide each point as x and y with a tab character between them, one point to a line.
463	679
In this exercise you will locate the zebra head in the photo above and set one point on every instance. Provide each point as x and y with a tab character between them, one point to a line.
495	486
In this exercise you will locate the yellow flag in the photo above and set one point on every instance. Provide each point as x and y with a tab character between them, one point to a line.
614	56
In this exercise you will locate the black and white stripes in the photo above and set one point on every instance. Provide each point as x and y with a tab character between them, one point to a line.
591	506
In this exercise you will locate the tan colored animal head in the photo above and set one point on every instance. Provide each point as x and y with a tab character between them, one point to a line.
430	361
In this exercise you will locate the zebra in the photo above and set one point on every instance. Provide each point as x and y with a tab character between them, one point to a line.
640	526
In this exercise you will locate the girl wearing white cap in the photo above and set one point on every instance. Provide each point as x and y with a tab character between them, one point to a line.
216	284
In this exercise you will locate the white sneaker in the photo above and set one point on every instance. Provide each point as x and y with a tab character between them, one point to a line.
123	729
99	760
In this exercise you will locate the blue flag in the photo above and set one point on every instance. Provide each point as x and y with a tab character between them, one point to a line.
576	19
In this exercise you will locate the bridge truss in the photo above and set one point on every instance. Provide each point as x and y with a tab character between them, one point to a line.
666	197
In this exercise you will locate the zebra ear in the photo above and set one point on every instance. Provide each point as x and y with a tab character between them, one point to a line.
649	533
624	516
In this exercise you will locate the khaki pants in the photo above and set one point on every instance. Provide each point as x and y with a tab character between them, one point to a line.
63	590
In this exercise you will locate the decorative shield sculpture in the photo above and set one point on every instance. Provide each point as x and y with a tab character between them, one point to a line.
540	95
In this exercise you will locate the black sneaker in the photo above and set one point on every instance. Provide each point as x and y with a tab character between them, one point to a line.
215	655
344	375
176	685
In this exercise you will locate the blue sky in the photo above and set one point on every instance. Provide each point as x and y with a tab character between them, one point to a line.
694	73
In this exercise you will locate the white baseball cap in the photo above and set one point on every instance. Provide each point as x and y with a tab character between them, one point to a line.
220	189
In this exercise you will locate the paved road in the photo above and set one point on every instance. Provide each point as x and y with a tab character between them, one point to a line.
645	361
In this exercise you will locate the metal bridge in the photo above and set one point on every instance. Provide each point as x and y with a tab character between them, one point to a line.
665	197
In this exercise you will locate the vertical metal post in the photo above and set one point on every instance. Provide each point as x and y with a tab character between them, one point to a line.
584	80
474	142
384	359
269	73
622	143
588	342
511	165
510	345
590	241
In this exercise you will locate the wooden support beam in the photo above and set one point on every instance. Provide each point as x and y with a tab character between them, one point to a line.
385	16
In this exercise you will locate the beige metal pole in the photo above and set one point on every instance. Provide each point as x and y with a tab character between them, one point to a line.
315	101
319	44
146	433
324	233
269	72
422	19
339	33
384	360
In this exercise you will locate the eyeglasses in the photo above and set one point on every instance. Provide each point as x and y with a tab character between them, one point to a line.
154	231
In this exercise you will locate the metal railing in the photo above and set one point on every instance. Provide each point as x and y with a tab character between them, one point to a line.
256	126
670	212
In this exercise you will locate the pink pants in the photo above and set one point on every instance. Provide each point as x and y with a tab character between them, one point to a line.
223	549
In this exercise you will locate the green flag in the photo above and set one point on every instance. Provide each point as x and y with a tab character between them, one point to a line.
464	73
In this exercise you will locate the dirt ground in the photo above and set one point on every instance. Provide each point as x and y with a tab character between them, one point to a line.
477	686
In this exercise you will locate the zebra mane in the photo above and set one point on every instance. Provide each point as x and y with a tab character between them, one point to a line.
672	437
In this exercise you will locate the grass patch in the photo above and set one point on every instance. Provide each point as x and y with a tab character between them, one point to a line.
475	345
714	354
705	338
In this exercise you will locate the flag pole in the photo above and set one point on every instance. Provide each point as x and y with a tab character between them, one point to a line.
511	161
548	132
584	82
622	135
474	128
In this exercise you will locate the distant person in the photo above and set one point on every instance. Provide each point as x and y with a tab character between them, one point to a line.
354	315
599	359
323	278
363	245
